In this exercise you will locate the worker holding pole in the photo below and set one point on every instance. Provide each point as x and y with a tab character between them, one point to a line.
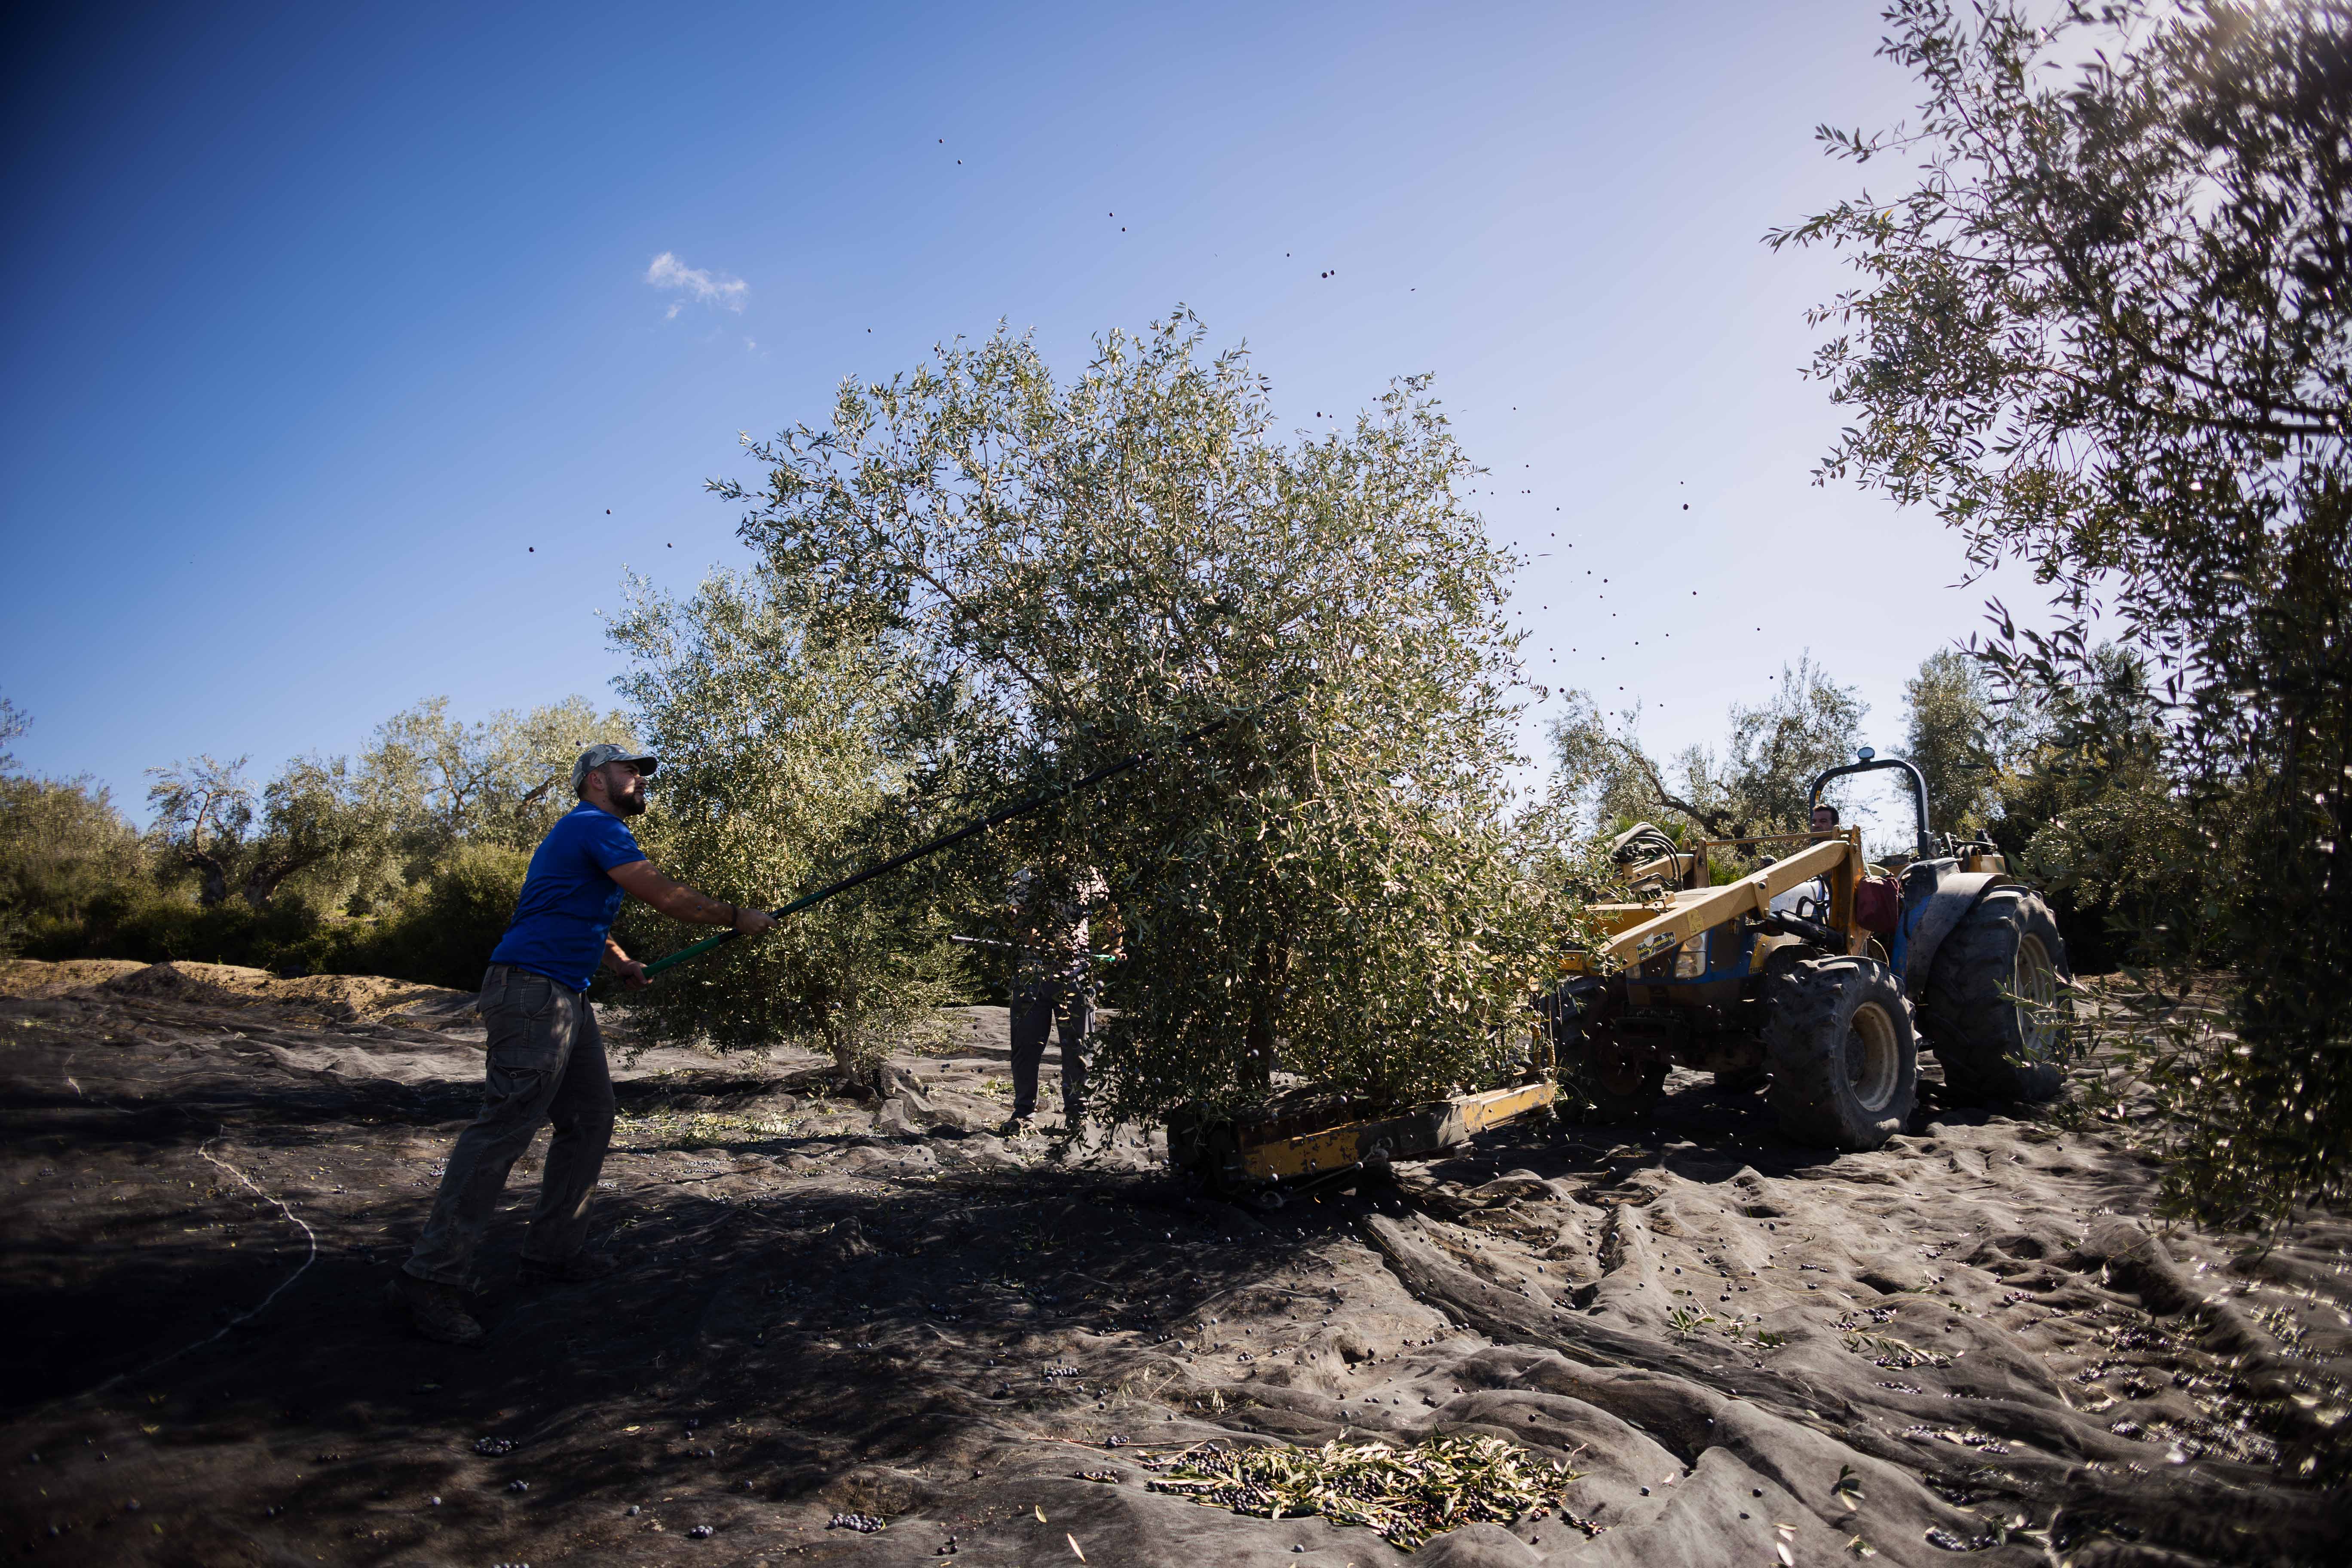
546	1061
546	1057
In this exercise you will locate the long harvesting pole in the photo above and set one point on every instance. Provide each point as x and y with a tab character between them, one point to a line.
995	819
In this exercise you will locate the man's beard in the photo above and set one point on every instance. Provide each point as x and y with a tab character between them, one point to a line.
629	804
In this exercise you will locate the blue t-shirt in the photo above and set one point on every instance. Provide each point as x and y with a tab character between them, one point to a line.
568	902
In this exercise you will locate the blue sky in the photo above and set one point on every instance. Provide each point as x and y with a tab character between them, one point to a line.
333	337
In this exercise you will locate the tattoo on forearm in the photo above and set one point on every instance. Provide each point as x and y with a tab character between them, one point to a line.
704	910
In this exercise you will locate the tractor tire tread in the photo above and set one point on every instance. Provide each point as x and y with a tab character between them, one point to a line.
1970	1021
1807	1018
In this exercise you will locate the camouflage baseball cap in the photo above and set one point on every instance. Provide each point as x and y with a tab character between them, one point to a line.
603	751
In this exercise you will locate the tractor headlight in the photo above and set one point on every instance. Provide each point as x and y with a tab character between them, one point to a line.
1690	959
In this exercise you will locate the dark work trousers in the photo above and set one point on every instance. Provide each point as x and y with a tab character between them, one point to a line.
546	1064
1035	1010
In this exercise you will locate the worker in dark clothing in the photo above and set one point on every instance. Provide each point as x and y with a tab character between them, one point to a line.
1054	983
546	1062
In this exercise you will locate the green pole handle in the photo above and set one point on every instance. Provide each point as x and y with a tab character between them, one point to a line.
696	950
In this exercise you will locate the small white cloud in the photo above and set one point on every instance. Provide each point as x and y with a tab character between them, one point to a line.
706	288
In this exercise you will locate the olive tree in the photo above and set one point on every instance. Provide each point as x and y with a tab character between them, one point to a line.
783	767
64	849
1758	784
1331	888
14	722
2103	326
1959	737
210	820
2093	814
501	779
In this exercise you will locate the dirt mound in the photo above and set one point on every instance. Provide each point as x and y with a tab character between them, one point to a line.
340	997
175	982
30	976
364	996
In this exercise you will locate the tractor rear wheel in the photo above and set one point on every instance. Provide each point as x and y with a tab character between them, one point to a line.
1845	1065
1996	1007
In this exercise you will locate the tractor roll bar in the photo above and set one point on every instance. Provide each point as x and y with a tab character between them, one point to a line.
1872	764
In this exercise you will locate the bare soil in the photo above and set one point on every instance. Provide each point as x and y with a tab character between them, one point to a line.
1972	1345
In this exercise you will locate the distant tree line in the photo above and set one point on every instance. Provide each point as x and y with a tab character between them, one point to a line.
403	860
790	760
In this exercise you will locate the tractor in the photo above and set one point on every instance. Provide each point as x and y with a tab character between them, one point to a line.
1818	973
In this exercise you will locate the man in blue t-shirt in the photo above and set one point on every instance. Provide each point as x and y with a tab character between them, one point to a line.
546	1057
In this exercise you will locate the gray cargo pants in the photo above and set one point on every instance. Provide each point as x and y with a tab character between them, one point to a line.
1035	1008
546	1064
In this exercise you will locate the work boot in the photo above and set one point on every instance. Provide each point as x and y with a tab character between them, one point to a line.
435	1310
1019	1125
579	1268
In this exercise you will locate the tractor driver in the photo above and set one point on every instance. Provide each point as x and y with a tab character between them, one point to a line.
1809	899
